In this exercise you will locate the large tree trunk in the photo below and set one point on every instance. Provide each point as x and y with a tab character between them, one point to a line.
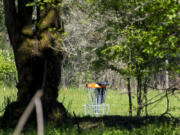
33	46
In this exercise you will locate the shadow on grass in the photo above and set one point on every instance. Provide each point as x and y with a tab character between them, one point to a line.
125	121
117	121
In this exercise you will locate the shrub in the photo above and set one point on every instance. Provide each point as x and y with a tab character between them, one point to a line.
7	67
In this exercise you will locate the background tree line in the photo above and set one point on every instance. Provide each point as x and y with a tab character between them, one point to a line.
90	27
140	26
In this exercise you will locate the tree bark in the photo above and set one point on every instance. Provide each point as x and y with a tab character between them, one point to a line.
31	49
129	96
145	95
139	98
166	75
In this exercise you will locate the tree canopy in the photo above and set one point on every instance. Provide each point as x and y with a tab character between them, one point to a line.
142	39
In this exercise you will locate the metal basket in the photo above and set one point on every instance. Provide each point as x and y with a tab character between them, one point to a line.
96	99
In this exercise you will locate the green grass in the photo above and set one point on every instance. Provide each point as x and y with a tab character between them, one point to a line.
74	100
151	129
7	95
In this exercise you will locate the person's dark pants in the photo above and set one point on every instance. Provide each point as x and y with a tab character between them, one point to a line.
100	95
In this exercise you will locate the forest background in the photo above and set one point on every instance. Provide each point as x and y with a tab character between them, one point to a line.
92	41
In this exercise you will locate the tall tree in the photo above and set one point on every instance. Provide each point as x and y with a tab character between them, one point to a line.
34	29
143	35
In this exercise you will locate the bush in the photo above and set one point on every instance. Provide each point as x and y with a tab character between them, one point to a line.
7	68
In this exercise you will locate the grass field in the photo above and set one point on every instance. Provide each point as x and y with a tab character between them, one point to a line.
116	123
74	99
7	95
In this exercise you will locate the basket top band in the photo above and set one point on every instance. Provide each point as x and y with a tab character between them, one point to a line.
94	85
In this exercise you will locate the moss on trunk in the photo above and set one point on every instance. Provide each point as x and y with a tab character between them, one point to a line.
32	48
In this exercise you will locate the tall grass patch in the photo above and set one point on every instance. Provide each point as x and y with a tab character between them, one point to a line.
7	95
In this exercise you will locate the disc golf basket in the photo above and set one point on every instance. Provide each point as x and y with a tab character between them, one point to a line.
96	99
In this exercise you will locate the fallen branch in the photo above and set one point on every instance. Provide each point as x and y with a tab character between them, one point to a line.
27	112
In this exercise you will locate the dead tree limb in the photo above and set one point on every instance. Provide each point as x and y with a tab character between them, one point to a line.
27	113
